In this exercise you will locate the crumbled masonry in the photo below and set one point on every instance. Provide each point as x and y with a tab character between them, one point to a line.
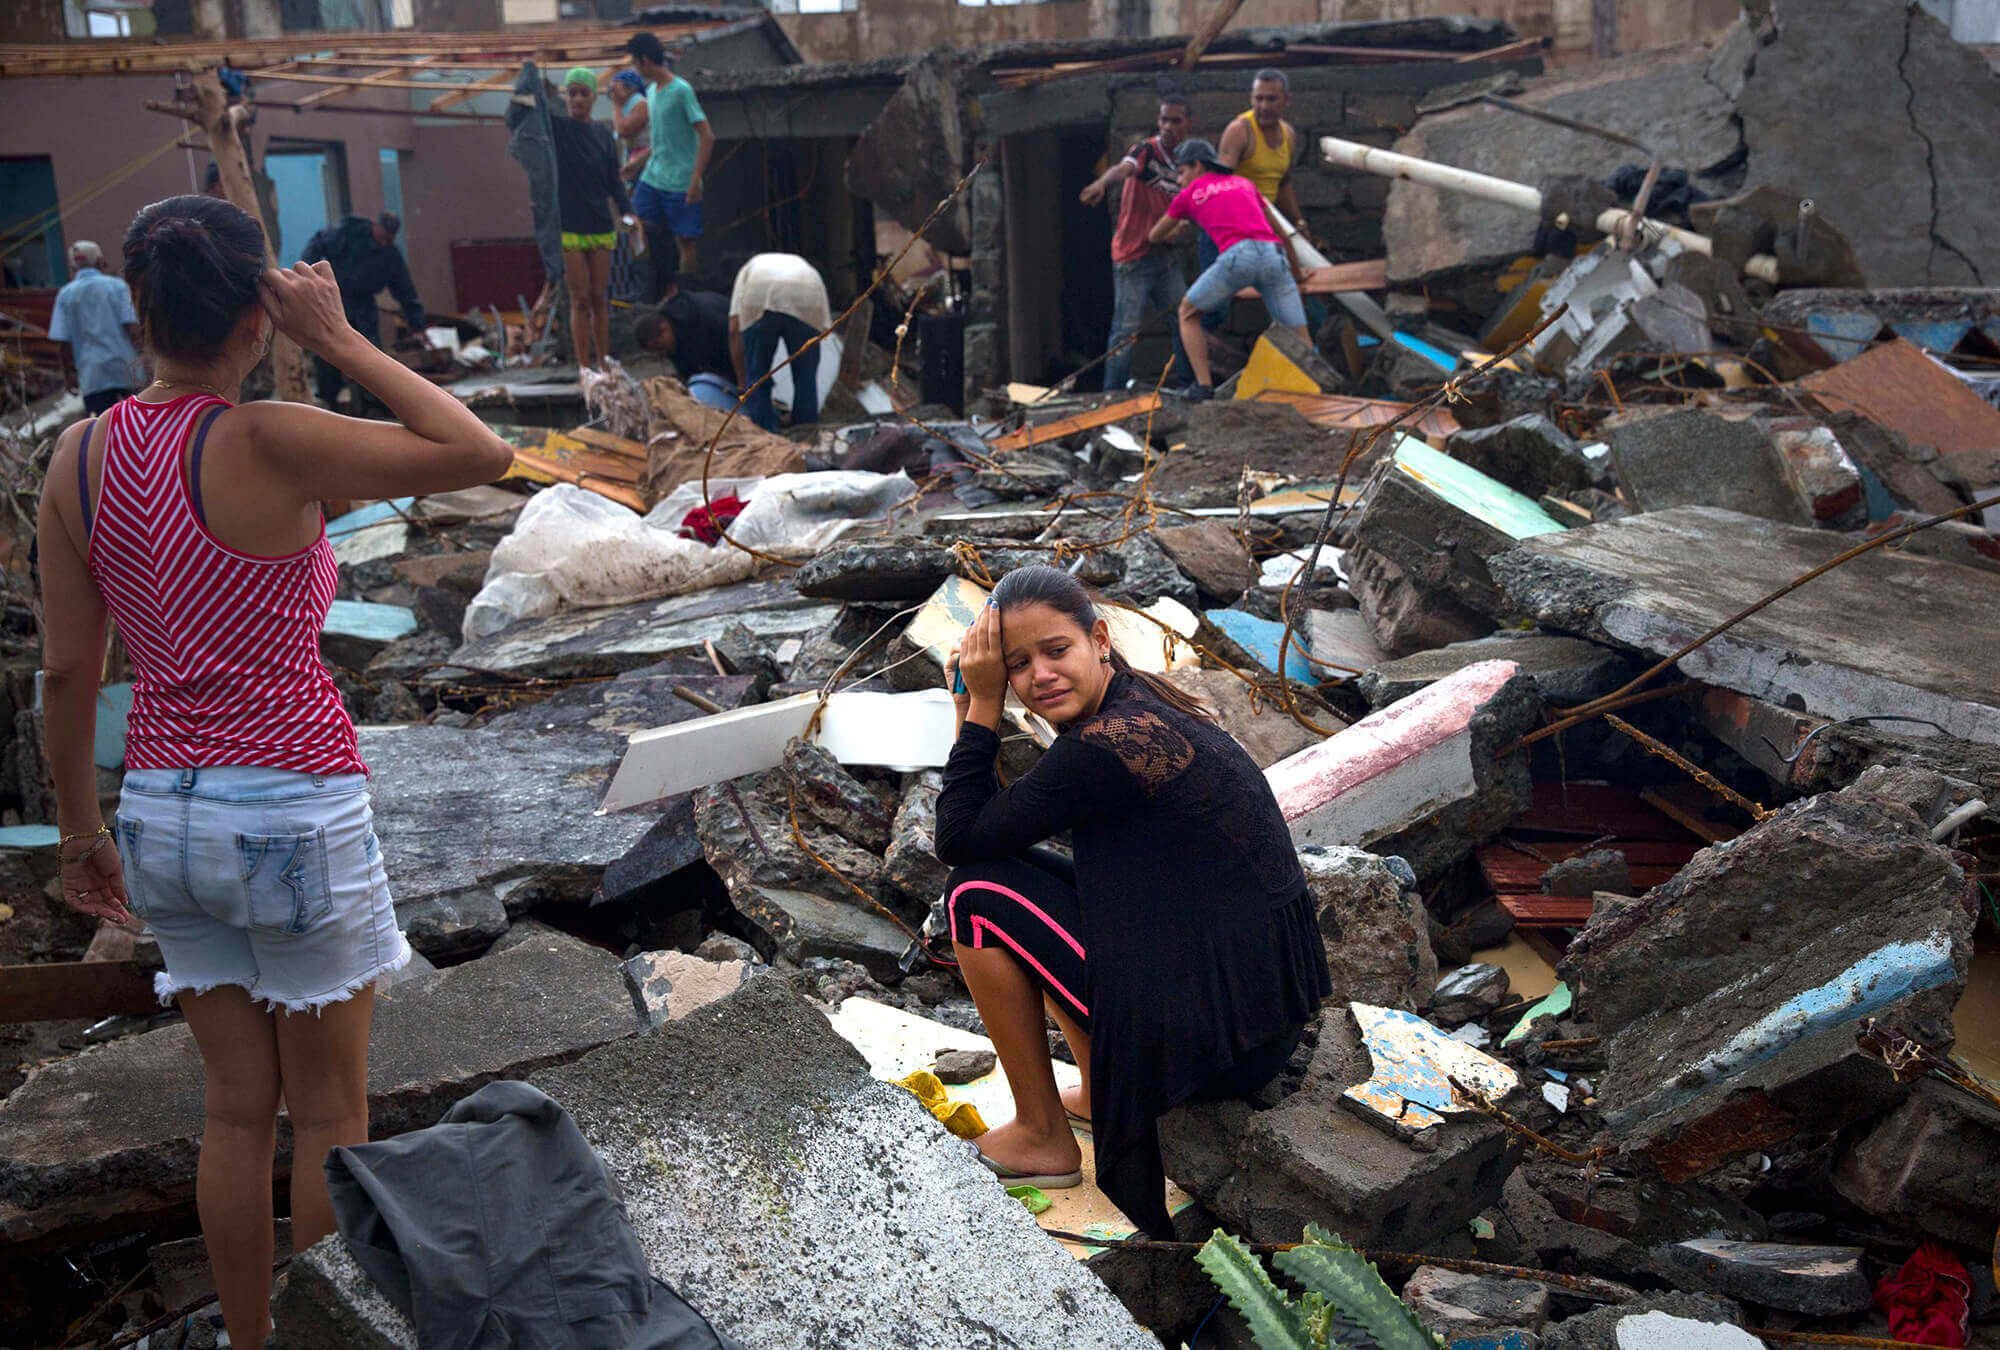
1633	715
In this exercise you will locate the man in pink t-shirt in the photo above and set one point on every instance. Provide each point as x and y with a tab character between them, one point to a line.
1231	209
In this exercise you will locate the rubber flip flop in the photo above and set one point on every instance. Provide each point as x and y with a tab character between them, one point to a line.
1078	1124
1047	1181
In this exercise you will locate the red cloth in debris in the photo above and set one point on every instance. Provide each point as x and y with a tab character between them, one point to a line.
1927	1301
707	523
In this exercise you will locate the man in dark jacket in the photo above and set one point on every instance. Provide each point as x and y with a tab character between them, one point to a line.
365	261
690	328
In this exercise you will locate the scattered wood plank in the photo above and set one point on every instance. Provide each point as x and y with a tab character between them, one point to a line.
1595	811
1347	413
622	446
52	990
622	493
1546	911
1218	19
1083	421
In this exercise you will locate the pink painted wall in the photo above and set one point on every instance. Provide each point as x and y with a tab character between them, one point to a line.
457	180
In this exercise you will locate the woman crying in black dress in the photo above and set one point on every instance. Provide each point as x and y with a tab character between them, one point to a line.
1179	956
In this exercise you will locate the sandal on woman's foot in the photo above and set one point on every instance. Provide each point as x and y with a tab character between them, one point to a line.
1048	1181
1078	1124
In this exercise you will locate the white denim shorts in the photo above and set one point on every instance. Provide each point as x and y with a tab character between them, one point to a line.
263	878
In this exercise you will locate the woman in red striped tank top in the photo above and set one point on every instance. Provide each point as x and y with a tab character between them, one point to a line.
243	833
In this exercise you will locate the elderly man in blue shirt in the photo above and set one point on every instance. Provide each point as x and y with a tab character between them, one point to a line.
94	318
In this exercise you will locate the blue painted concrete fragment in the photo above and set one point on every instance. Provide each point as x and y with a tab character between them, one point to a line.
30	836
359	618
1260	637
114	706
1884	977
1843	334
373	514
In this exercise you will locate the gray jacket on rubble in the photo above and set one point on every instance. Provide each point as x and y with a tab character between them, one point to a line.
498	1227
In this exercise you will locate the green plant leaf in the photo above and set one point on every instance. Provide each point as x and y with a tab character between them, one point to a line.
1341	1276
1274	1321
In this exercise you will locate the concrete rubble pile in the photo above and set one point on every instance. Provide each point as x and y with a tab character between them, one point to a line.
1672	1021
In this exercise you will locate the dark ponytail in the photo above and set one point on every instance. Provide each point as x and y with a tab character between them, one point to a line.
192	263
1040	584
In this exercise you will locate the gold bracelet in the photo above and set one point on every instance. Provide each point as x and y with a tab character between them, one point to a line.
96	836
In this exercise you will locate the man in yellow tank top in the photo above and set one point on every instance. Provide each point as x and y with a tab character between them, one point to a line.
1260	144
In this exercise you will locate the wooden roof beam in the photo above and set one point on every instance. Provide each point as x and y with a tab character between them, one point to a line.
327	95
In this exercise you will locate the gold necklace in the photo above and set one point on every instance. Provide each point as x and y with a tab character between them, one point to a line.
192	384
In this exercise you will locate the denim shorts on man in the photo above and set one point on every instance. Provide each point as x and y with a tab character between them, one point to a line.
682	216
264	878
1251	262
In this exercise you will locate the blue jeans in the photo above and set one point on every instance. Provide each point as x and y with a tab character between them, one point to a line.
1252	262
263	878
760	348
1148	284
1205	255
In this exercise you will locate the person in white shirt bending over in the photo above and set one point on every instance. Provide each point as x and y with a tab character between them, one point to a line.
778	297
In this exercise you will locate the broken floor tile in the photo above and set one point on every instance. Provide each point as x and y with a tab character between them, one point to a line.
1893	632
1529	454
1375	930
667	986
1706	988
112	1135
1422	778
1664	1331
1408	1090
1822	1281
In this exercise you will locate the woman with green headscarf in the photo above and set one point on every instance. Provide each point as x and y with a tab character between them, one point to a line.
587	187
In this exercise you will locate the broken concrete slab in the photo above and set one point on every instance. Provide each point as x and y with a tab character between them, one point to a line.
329	1303
634	701
1691	1009
114	1132
1822	1281
1656	582
1901	166
1931	1167
1694	457
1424	778
862	813
475	825
1671	99
1377	934
1468	993
1344	640
909	865
1212	557
805	910
1703	1321
356	632
1567	670
667	986
1464	1310
1266	731
1267	1173
1602	869
622	637
751	1138
1529	454
1418	547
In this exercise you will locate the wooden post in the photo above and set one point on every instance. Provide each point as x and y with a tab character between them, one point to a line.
223	125
1225	10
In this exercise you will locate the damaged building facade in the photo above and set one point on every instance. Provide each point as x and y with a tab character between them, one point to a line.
1603	588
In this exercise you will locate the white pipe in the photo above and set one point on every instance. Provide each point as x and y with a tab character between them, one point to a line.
1520	196
1964	815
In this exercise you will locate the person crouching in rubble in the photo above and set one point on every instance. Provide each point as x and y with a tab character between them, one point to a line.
244	838
1231	210
1179	955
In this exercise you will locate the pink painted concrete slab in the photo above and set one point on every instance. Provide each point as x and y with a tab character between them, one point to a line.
1386	740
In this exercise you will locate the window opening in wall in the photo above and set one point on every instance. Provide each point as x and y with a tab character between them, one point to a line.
811	6
392	192
108	18
28	203
310	182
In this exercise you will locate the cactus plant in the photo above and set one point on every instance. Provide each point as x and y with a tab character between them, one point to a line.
1345	1303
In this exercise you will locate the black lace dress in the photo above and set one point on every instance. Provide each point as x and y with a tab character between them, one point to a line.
1201	948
